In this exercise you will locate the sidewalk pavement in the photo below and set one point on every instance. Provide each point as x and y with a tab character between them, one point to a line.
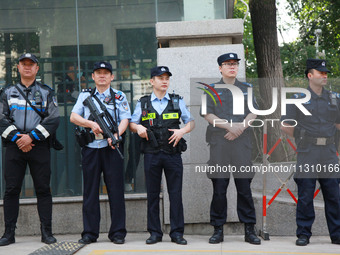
197	244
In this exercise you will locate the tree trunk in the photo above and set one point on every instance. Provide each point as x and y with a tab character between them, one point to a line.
269	68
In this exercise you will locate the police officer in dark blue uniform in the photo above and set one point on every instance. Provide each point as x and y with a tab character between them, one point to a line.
99	156
230	145
27	136
316	160
156	119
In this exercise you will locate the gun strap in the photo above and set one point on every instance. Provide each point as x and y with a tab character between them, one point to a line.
42	116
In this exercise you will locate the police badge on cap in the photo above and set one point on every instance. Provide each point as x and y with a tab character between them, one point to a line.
102	65
317	64
159	70
226	57
29	56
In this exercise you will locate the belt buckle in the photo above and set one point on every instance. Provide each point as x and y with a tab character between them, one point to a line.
321	141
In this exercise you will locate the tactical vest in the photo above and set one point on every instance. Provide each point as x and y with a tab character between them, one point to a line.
159	125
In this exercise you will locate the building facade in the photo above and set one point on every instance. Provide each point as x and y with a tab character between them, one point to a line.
68	36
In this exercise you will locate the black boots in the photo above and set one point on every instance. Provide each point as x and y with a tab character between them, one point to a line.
217	237
250	235
46	234
8	236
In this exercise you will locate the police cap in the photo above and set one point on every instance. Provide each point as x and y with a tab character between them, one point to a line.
29	56
317	64
102	65
159	70
226	57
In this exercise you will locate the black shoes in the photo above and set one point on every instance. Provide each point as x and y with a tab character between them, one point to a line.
153	239
118	240
179	240
217	237
46	234
250	235
336	241
86	239
8	236
302	240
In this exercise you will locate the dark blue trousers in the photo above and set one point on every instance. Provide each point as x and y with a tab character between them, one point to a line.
317	157
305	213
235	153
95	162
173	170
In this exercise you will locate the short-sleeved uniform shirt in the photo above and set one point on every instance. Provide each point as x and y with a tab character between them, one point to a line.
122	112
159	105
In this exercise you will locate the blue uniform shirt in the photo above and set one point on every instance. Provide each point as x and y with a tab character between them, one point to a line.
123	110
226	110
159	106
324	115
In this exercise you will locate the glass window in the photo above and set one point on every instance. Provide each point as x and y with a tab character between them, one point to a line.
68	37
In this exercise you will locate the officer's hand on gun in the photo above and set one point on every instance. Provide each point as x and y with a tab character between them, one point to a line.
176	136
142	132
95	128
109	140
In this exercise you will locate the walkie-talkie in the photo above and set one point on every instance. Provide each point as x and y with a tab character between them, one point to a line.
175	101
332	97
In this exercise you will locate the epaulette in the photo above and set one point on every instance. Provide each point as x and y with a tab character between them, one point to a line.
87	90
299	95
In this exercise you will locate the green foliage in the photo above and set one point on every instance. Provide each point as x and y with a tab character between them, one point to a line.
321	14
248	42
312	15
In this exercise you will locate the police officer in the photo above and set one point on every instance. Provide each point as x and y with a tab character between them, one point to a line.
314	136
99	156
26	135
230	145
156	119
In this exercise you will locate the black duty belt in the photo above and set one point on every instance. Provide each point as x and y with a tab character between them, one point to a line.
319	140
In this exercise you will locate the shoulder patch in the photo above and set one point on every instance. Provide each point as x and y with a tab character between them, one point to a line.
336	94
299	95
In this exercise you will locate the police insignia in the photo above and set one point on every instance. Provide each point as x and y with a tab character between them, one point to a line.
125	106
119	96
108	100
55	102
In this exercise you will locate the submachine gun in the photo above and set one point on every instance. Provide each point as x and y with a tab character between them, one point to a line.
105	122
